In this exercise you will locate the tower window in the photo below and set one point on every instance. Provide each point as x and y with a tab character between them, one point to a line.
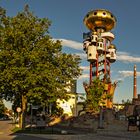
95	13
90	54
94	43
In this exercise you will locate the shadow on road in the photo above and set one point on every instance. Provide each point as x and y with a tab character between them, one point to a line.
31	134
26	137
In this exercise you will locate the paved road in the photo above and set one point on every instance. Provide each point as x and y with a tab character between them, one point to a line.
5	130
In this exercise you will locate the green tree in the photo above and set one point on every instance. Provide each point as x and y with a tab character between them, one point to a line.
2	107
127	102
32	65
95	91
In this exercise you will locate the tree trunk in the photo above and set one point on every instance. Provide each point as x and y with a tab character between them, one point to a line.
24	102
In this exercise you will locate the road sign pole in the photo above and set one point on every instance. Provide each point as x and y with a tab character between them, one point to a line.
19	119
31	116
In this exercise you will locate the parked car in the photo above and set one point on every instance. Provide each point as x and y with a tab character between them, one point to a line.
4	117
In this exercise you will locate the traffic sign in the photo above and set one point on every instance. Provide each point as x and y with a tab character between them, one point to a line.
18	109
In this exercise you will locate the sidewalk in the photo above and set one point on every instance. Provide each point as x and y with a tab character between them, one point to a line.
109	136
115	131
100	134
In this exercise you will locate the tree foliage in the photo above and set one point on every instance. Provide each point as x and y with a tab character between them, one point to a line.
95	91
31	62
127	102
2	107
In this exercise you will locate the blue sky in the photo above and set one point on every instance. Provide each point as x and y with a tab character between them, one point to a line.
67	25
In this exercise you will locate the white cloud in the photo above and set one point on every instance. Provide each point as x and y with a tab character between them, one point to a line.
128	73
128	58
121	56
72	44
122	53
85	68
84	76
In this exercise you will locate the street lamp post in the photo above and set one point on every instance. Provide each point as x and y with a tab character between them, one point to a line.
101	118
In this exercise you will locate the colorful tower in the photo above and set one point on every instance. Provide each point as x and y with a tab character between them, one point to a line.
135	83
98	44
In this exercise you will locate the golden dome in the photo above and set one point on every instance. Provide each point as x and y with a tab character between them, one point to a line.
100	19
112	46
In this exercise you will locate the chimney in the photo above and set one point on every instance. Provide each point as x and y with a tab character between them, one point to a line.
135	83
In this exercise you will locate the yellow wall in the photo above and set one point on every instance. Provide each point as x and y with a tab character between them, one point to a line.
69	107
